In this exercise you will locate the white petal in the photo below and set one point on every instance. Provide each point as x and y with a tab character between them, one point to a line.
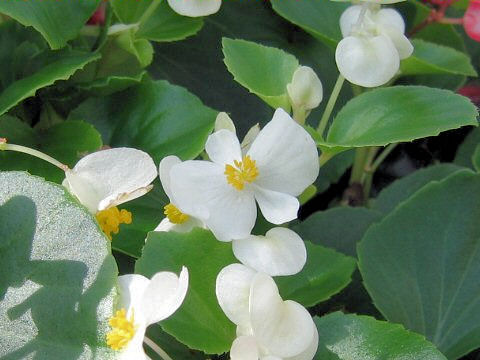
349	18
284	328
164	295
194	8
270	357
134	349
311	350
244	348
166	226
110	177
132	288
390	18
223	147
280	252
224	122
306	90
401	42
286	156
164	172
276	207
249	138
233	291
200	189
367	61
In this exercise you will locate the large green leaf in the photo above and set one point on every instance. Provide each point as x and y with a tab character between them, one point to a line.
264	71
465	151
200	323
421	264
430	58
401	113
57	21
157	117
57	275
354	337
170	345
325	274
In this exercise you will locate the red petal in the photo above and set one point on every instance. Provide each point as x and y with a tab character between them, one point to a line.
471	20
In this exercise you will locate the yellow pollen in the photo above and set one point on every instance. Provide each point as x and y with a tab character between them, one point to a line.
174	214
111	218
122	332
243	171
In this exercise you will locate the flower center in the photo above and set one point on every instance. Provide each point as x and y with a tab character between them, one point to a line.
243	171
122	332
174	215
111	218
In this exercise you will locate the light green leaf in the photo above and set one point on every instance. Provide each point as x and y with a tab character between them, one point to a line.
325	274
157	117
200	323
430	58
264	71
140	48
421	264
57	274
465	151
57	21
354	337
401	113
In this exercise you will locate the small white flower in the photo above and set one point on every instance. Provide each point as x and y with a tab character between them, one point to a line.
195	8
144	302
267	326
306	90
281	162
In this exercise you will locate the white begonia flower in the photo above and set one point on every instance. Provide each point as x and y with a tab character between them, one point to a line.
370	53
144	302
280	252
195	8
175	220
306	90
267	327
281	162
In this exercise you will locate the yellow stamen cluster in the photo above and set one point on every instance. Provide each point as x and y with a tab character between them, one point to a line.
123	330
243	171
174	214
111	218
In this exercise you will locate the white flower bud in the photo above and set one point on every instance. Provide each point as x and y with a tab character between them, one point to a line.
223	121
306	90
195	8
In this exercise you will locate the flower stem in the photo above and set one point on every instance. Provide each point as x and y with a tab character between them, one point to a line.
381	157
371	166
359	165
146	15
156	348
23	149
331	103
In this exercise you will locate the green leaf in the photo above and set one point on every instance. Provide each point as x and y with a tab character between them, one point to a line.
354	337
57	274
57	21
401	113
157	117
264	71
465	151
340	228
61	66
317	17
476	158
113	83
140	48
421	264
200	323
325	274
67	142
403	188
170	345
430	58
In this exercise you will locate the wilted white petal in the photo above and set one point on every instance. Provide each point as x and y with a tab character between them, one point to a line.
306	90
389	18
349	18
110	177
200	189
249	138
224	122
311	350
233	292
164	295
166	225
280	252
223	147
286	156
194	8
401	42
164	172
244	348
131	288
276	207
367	61
284	328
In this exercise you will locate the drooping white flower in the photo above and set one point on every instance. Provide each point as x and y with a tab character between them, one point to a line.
175	220
373	45
195	8
281	162
305	91
144	302
104	179
280	252
267	326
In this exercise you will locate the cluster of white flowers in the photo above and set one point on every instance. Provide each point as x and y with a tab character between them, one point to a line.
374	43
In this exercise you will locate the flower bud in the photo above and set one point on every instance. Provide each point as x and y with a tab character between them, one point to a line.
471	20
223	121
305	91
195	8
